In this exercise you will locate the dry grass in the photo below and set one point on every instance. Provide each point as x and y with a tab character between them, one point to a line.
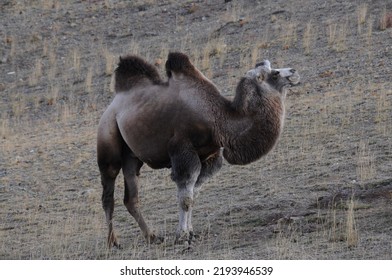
385	20
362	12
337	35
336	138
308	38
366	167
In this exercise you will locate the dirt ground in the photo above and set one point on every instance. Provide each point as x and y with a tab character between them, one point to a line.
324	192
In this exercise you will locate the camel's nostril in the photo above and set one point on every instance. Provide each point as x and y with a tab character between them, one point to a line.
293	70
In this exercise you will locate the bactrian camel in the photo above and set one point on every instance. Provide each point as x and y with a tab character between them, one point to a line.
184	124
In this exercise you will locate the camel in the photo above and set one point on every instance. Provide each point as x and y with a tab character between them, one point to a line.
184	124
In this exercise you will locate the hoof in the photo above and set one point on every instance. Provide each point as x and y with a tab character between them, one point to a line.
194	237
153	239
183	238
115	245
187	250
112	241
187	238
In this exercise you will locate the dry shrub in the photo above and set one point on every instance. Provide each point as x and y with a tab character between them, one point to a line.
385	20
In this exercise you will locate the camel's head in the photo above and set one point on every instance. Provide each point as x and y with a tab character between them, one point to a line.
277	78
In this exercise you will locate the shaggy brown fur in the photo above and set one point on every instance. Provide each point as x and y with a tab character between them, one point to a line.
179	63
132	70
183	124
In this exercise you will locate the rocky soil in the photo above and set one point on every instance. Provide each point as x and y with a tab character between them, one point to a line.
324	192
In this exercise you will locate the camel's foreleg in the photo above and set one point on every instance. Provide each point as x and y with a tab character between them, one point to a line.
208	168
186	168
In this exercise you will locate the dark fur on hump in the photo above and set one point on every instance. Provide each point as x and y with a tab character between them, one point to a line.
179	63
132	69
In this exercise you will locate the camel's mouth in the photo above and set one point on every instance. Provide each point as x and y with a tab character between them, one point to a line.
290	74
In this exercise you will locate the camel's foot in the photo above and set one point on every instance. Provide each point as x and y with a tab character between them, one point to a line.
113	241
187	238
194	237
154	239
182	238
187	250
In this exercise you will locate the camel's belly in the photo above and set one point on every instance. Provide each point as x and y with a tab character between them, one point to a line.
148	132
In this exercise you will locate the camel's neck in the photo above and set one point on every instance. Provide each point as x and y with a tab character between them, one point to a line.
247	137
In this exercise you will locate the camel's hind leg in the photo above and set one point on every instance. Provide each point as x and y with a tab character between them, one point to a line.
131	170
109	146
107	180
109	167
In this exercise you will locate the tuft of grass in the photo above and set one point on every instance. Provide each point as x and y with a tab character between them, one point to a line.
89	80
383	110
369	33
337	36
385	20
52	64
11	41
307	38
5	129
109	62
366	169
289	35
76	60
361	16
351	227
36	74
54	95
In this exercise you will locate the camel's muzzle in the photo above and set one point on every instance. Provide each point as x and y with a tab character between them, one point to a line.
290	74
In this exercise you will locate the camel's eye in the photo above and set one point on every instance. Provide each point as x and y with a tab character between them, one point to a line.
275	75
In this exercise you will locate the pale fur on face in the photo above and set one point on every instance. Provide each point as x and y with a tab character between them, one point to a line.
265	68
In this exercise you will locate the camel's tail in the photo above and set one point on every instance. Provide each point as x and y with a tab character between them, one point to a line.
179	63
131	70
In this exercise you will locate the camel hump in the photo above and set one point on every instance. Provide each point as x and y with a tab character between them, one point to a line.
179	63
131	70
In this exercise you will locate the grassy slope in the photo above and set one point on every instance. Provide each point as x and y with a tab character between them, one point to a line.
324	192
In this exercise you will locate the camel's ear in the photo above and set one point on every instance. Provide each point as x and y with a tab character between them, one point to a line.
253	74
266	64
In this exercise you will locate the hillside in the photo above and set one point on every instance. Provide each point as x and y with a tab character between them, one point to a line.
324	192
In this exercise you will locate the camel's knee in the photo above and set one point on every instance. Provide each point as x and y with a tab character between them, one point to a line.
107	201
185	198
107	196
109	171
107	191
132	204
186	203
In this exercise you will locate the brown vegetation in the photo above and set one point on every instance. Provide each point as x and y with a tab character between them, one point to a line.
56	61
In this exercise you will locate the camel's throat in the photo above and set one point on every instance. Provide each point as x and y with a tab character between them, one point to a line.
251	142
